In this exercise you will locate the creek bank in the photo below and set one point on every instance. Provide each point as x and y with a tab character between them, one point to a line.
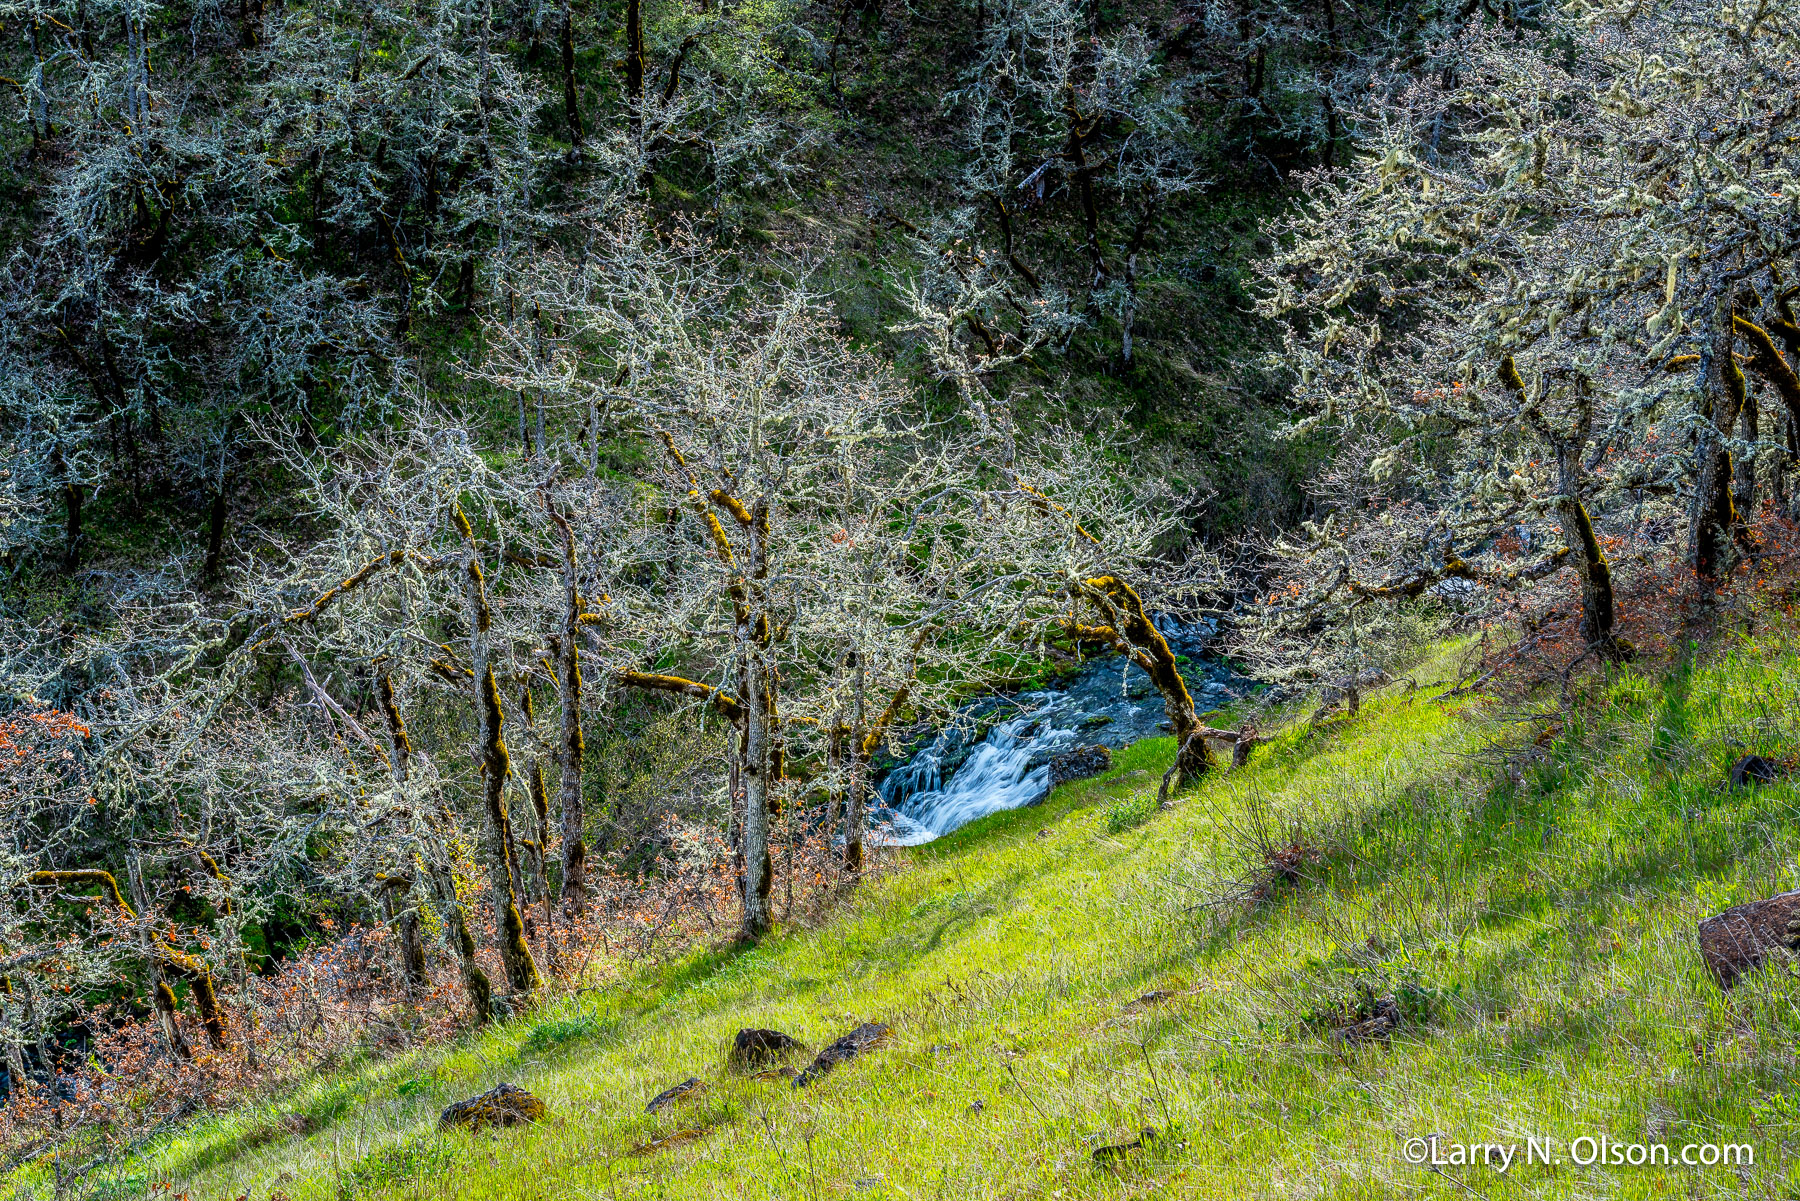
995	753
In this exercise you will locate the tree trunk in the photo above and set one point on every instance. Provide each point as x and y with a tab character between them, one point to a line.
509	926
538	845
492	757
569	747
759	738
161	995
1586	556
634	64
1768	361
1080	128
836	771
456	932
443	881
1125	610
215	534
1743	482
403	916
757	874
856	818
1713	519
571	94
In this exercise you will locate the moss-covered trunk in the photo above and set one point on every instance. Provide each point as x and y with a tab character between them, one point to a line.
1125	614
570	748
437	858
494	762
1713	518
761	750
1587	557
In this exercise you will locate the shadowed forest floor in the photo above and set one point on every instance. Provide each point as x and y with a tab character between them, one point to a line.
1062	978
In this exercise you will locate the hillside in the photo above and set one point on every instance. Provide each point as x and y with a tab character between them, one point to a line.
1063	977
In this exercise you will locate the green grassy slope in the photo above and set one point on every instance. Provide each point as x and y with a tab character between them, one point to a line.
1538	939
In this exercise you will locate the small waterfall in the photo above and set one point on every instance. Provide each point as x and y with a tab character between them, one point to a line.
947	784
917	806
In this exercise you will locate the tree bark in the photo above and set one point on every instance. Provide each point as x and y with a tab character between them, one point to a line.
162	997
1743	480
443	881
634	63
539	843
569	746
494	762
571	93
1589	561
1075	151
856	818
1125	611
215	534
1713	519
759	749
403	916
1585	553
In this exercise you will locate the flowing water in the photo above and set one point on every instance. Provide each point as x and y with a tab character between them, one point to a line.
995	754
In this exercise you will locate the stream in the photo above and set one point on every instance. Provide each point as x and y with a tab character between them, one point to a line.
994	753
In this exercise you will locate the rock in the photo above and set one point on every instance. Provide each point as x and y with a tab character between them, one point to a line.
1080	763
1380	1024
502	1105
863	1038
1752	771
674	1093
1738	940
1121	1150
1154	997
753	1048
1094	721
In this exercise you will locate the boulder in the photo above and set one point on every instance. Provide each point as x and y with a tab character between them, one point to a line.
1752	771
502	1105
1155	996
1121	1150
674	1093
1738	940
1079	763
864	1037
753	1048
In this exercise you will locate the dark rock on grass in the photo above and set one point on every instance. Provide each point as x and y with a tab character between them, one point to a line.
1153	997
674	1093
502	1105
1121	1150
1738	940
1377	1025
863	1038
1079	764
1753	771
754	1048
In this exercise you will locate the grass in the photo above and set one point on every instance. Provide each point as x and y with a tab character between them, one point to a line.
1538	940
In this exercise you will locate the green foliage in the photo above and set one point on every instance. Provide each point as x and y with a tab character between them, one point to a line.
555	1034
1129	811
